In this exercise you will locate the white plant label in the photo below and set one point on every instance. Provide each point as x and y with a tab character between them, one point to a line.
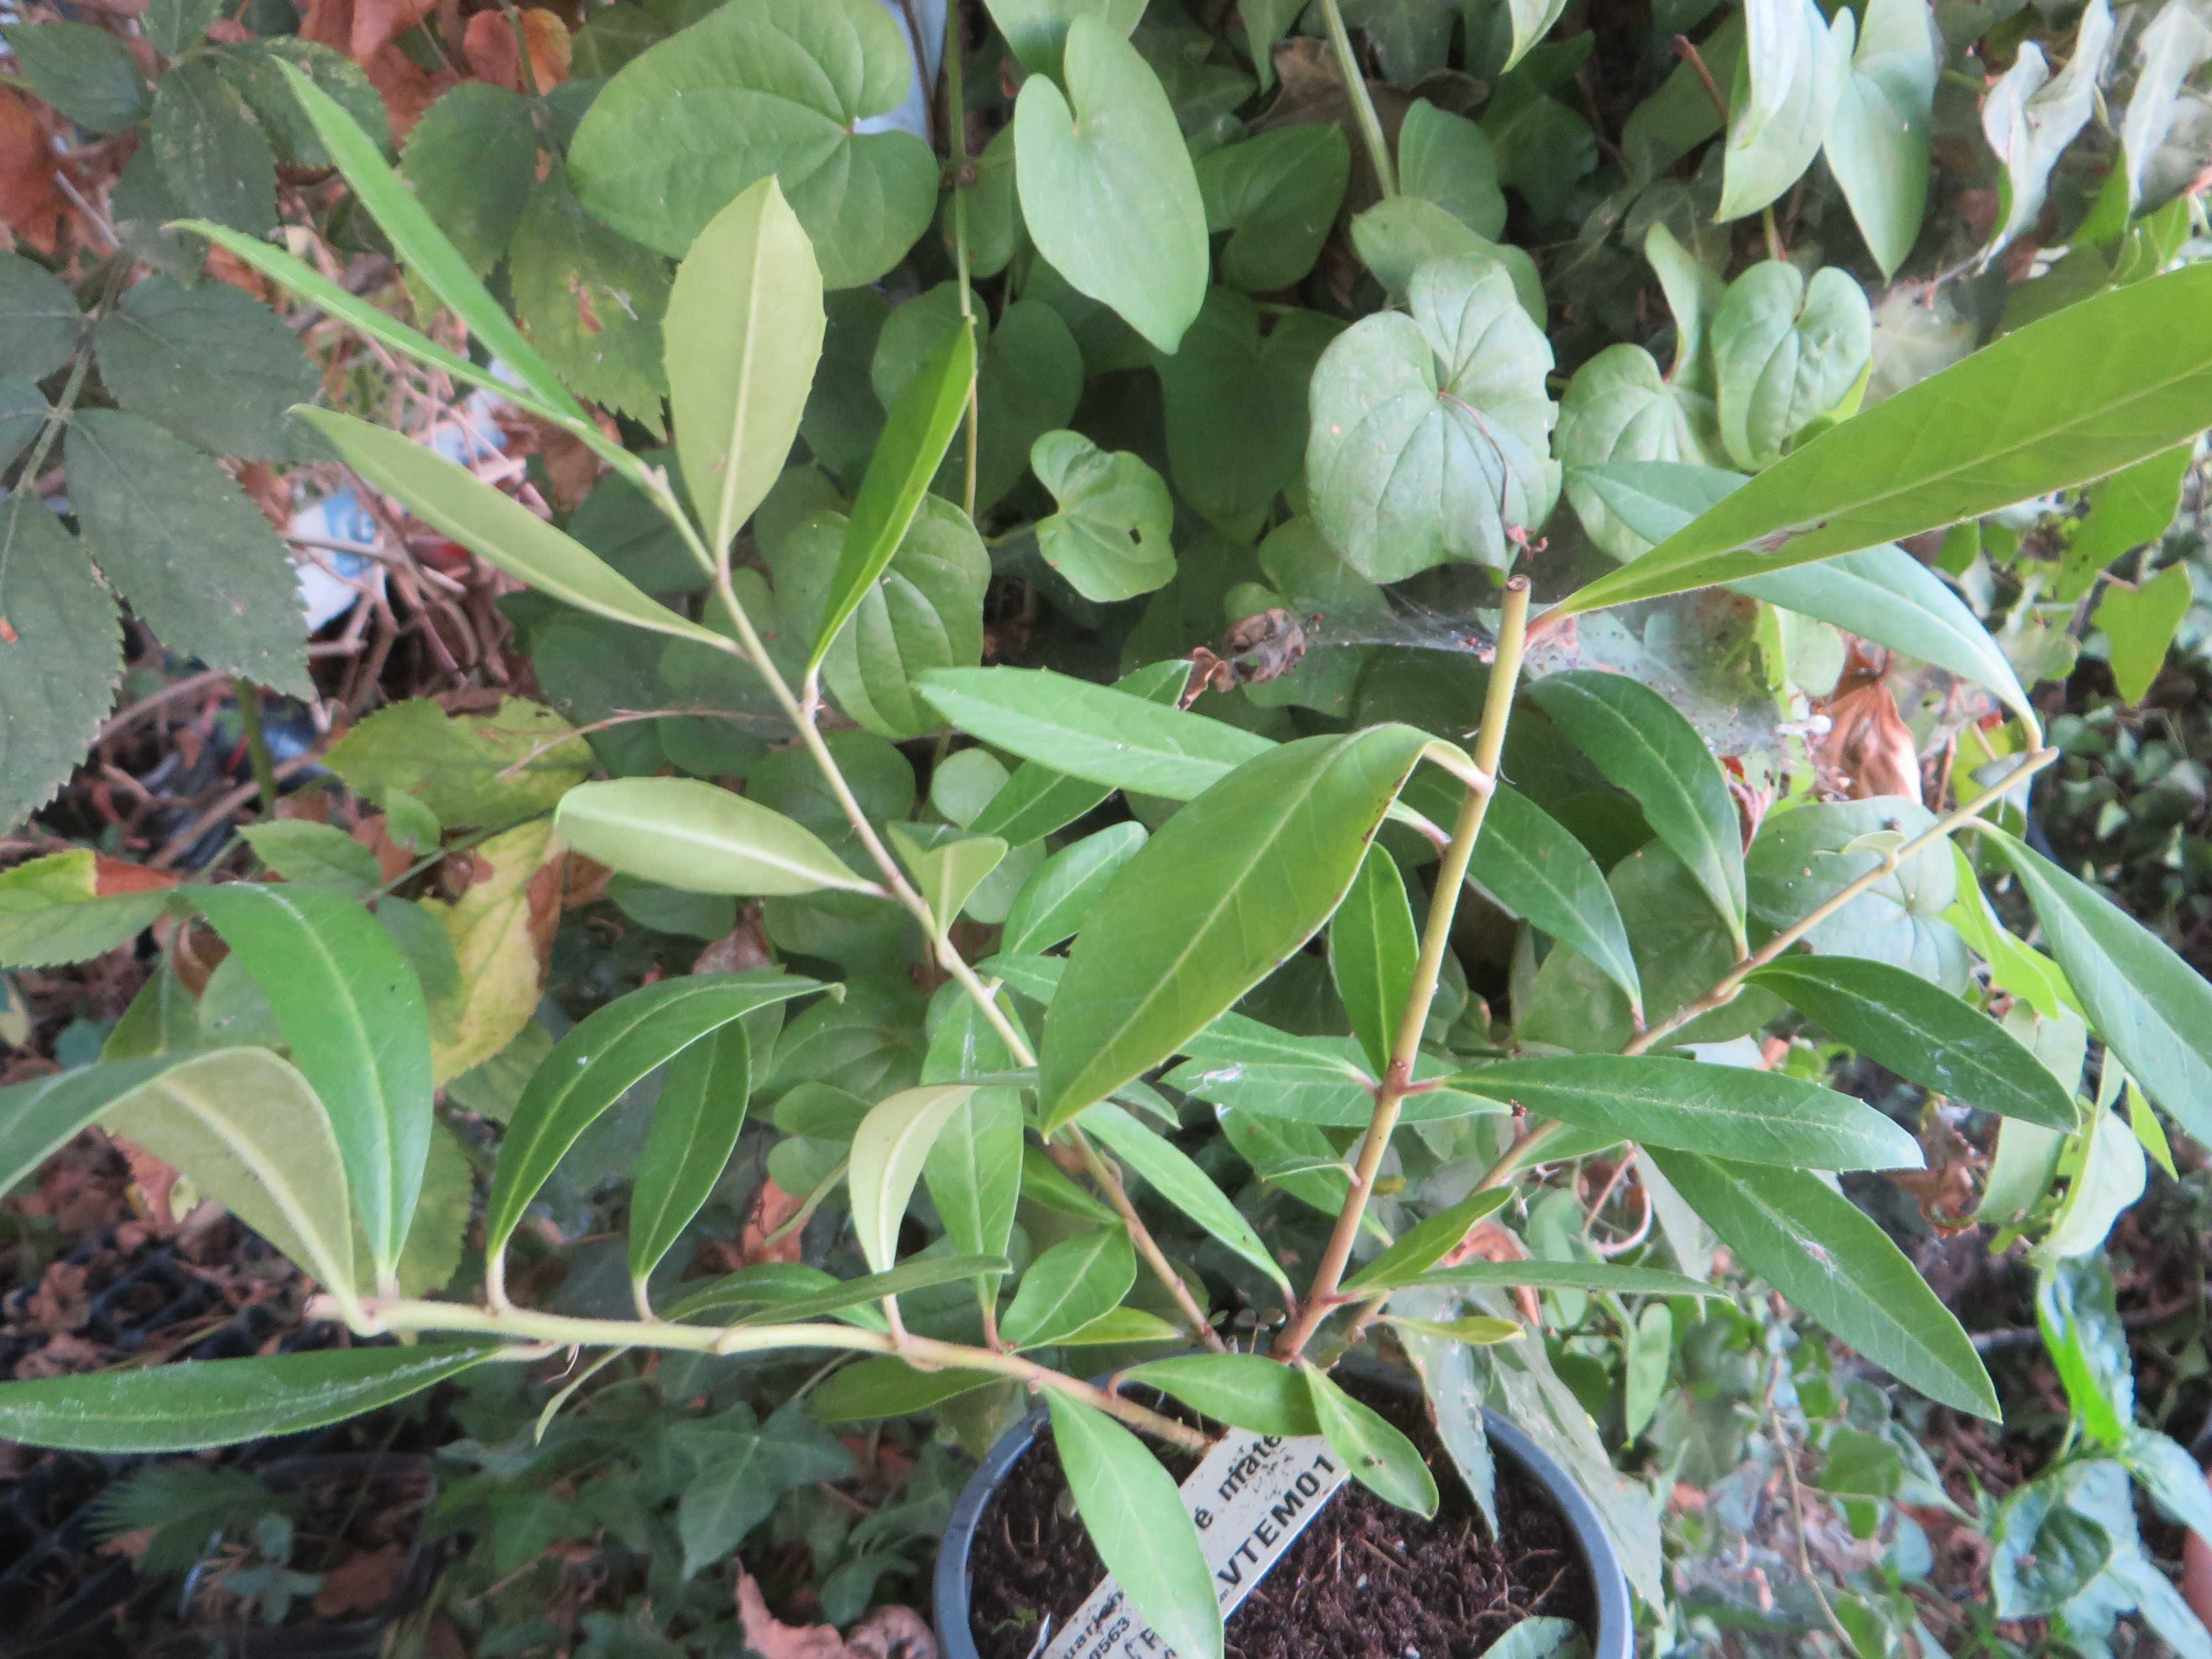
1250	1498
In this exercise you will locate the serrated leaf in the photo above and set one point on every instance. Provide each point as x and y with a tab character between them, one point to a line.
353	1015
192	554
592	302
319	854
252	66
85	73
214	156
689	122
49	913
472	159
220	1402
1824	1255
488	767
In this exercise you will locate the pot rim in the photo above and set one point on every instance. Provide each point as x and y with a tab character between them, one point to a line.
1614	1636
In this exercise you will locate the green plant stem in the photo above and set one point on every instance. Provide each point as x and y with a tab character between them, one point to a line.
376	1315
1363	104
955	130
1101	1171
257	741
1731	982
1321	1298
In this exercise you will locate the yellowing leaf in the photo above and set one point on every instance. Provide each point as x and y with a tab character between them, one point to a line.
503	931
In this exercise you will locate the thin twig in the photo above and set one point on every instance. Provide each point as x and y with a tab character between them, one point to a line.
1363	102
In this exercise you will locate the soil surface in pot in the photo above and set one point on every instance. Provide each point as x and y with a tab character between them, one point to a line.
1365	1581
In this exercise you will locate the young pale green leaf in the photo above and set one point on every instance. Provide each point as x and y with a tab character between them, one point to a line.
886	1386
1245	1390
1061	897
2151	1007
40	1117
2098	386
2076	1309
948	874
353	1014
245	1128
973	1171
220	1402
423	247
1107	187
1428	1241
694	1128
1609	1276
1103	733
1644	746
1828	1257
1380	1457
1074	1282
1111	536
1175	1177
1923	1033
889	1150
793	1293
915	437
1476	1330
1129	1505
1122	1326
743	331
1051	1186
1372	949
454	500
1039	799
1732	1111
1540	1638
688	832
1228	889
596	1063
1877	140
1529	863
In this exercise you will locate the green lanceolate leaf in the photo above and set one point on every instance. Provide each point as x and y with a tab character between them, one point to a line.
1923	1034
40	1117
889	1149
1372	952
1038	799
1110	537
793	1293
2101	385
973	1171
1732	1111
1380	1457
497	527
915	437
1475	1330
1877	141
2151	1007
1171	1173
423	247
353	1014
754	90
1107	188
1644	746
694	1128
743	331
1827	1256
1429	1242
1609	1276
601	1059
947	874
1109	736
1229	887
1534	868
1066	890
1069	1285
886	1386
317	853
1245	1390
1431	434
220	1402
687	833
244	1128
1130	1507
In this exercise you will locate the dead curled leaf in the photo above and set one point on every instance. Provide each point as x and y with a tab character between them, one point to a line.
1867	751
890	1633
363	1583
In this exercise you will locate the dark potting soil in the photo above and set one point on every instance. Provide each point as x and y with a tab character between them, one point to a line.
1366	1580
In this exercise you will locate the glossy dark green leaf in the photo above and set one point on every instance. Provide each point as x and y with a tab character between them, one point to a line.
1130	1507
1372	949
596	1063
915	437
2101	385
1230	886
1644	746
1037	800
353	1015
2153	1009
220	1402
1175	1177
1245	1390
1549	1276
1832	1259
885	1386
1380	1456
694	1127
1732	1111
1074	1282
1429	1240
786	1297
974	1170
1529	863
1923	1033
1061	897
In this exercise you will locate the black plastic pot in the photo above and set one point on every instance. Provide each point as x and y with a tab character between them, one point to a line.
1613	1638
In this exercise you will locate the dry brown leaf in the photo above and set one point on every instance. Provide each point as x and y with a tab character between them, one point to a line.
1493	1243
892	1633
744	946
112	876
772	1207
1867	749
363	1584
31	205
488	45
768	1637
154	1180
63	1356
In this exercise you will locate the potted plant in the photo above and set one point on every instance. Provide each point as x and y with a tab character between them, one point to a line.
1036	1082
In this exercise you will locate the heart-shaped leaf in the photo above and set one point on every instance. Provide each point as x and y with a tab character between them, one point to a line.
1110	537
1785	352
